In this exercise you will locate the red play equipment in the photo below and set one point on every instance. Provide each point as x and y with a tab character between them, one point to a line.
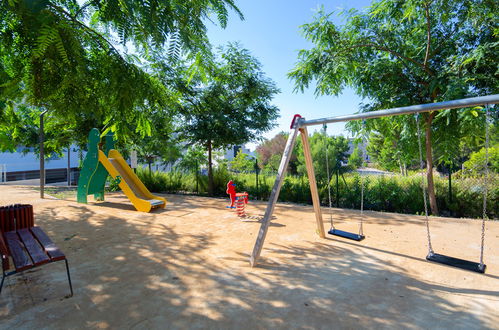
237	200
241	201
231	190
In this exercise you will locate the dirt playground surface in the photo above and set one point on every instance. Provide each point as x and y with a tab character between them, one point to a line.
187	267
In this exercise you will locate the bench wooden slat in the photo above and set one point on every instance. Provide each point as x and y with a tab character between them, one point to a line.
20	257
34	249
50	248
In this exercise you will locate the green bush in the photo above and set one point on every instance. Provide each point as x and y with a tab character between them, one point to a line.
401	194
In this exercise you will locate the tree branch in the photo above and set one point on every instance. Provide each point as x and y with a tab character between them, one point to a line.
428	33
82	8
395	53
99	38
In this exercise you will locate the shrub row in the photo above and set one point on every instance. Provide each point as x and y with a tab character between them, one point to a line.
381	193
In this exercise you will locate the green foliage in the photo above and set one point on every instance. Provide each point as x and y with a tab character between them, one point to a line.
170	182
394	193
273	163
400	53
233	101
160	145
193	159
356	159
62	56
270	151
242	163
403	52
337	148
475	166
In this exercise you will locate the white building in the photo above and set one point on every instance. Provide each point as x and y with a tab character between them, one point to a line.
232	151
24	164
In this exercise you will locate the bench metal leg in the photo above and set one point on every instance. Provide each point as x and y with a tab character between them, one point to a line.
69	277
3	271
3	278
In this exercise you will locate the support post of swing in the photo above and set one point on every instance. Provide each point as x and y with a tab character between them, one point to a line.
313	184
274	194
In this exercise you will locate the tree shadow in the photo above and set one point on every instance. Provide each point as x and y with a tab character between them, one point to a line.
155	271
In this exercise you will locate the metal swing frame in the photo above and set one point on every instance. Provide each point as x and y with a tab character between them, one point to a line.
299	125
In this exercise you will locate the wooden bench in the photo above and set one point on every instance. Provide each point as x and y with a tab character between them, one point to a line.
26	244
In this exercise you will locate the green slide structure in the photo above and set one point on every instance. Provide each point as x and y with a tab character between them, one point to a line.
96	168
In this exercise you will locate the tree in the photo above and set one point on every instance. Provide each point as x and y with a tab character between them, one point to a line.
475	165
270	153
356	159
192	159
96	58
159	144
242	163
274	161
337	149
232	106
400	53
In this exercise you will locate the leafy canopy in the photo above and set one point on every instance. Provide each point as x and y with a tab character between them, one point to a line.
233	105
321	144
242	163
270	152
72	57
405	52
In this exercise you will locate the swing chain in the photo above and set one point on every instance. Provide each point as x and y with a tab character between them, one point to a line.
485	182
421	164
361	225
328	180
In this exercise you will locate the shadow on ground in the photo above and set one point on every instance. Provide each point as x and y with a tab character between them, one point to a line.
145	273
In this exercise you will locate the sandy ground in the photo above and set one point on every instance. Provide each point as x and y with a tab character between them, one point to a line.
187	267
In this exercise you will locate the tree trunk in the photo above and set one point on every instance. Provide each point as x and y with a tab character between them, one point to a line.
149	164
429	165
210	171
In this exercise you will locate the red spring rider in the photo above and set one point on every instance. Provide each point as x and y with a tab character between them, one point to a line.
231	190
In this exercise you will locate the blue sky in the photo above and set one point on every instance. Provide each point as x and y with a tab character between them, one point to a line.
271	31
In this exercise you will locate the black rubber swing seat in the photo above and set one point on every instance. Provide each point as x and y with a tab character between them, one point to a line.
455	262
346	234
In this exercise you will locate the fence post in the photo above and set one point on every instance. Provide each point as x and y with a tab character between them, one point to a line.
42	156
337	189
197	177
257	170
69	165
450	184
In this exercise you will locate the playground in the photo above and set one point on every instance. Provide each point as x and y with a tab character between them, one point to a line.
186	266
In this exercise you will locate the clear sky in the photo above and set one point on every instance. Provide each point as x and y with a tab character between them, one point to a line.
271	32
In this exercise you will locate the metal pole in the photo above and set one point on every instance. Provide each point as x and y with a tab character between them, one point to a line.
450	184
337	189
456	104
42	156
274	195
197	177
69	165
257	169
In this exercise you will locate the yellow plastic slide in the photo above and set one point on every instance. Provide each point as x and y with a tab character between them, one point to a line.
130	183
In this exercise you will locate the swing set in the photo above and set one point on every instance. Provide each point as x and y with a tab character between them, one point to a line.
299	125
